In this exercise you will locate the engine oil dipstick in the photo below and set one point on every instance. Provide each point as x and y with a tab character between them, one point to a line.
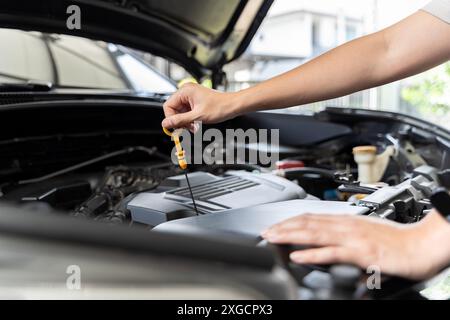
175	135
181	156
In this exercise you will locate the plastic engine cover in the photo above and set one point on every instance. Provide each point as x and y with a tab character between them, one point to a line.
236	189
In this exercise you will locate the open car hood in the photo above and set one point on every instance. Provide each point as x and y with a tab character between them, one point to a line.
200	35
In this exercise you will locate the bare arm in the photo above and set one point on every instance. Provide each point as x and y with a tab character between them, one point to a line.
411	46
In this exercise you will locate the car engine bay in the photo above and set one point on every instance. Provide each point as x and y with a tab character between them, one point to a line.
138	184
118	170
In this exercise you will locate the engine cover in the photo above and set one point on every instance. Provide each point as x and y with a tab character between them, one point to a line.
250	222
236	189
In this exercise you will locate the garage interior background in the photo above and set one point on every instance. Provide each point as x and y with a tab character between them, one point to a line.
296	31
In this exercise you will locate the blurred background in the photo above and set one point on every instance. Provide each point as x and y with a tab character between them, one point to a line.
297	31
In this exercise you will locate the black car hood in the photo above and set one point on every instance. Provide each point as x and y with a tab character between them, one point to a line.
200	35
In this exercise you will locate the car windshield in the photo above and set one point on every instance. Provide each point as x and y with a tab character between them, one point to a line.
294	32
68	61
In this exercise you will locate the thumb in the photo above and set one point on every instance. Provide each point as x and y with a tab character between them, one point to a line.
178	120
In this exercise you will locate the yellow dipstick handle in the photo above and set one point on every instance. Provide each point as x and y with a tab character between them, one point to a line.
175	135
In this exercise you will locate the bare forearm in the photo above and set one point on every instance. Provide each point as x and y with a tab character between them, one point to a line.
338	72
370	61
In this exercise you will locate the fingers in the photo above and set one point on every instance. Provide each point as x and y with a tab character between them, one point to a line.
306	237
341	238
194	103
179	103
180	120
176	102
312	229
326	255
